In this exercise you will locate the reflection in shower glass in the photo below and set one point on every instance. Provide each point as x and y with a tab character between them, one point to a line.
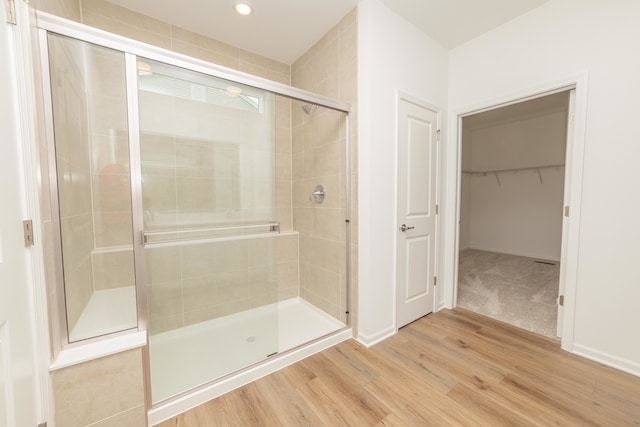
208	192
94	197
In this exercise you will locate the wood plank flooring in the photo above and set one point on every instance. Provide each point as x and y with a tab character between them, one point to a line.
451	368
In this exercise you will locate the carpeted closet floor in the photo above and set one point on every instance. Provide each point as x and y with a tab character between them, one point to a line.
518	290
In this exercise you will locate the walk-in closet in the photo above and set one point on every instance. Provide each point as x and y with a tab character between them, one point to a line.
511	212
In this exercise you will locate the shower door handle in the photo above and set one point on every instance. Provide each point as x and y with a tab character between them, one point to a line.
404	228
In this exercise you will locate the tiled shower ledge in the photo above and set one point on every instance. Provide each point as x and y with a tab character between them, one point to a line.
107	311
86	352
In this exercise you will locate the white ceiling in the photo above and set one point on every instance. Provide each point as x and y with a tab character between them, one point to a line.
453	22
285	29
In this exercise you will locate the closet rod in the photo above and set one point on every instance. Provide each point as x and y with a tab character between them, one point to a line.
532	168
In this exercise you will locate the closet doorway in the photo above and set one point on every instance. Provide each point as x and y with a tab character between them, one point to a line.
512	197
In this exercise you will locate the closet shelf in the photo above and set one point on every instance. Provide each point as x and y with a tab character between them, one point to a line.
497	172
531	168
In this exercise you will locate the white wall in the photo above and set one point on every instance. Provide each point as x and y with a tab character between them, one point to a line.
520	215
393	55
557	40
523	143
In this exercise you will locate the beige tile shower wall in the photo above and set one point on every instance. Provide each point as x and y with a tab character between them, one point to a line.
202	161
211	280
320	151
74	176
288	244
288	265
104	392
112	258
328	68
68	9
284	211
189	174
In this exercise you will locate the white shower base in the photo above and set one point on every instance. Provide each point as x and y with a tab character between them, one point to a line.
188	357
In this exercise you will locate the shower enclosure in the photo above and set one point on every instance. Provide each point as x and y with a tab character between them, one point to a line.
205	206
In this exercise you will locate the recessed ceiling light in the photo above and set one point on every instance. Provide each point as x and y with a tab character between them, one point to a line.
243	8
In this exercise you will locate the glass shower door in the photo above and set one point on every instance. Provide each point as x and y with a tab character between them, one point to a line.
208	195
91	197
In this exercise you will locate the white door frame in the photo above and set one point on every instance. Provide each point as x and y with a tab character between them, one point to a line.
28	136
573	182
400	95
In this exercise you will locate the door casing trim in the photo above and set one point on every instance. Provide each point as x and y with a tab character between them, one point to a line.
451	176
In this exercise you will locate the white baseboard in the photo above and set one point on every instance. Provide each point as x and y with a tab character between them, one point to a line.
518	253
616	362
370	340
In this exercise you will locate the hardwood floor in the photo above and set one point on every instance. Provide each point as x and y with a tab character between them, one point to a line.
451	368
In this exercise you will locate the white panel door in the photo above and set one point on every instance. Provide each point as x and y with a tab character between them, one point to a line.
17	367
416	228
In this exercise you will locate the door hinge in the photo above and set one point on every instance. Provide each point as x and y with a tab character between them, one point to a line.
437	209
437	134
561	300
10	6
566	211
435	280
27	227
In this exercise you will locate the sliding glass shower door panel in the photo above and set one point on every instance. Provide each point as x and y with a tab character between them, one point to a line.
208	188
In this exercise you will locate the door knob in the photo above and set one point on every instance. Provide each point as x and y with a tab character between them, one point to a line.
404	228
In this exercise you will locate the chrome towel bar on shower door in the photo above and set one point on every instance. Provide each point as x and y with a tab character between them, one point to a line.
185	236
